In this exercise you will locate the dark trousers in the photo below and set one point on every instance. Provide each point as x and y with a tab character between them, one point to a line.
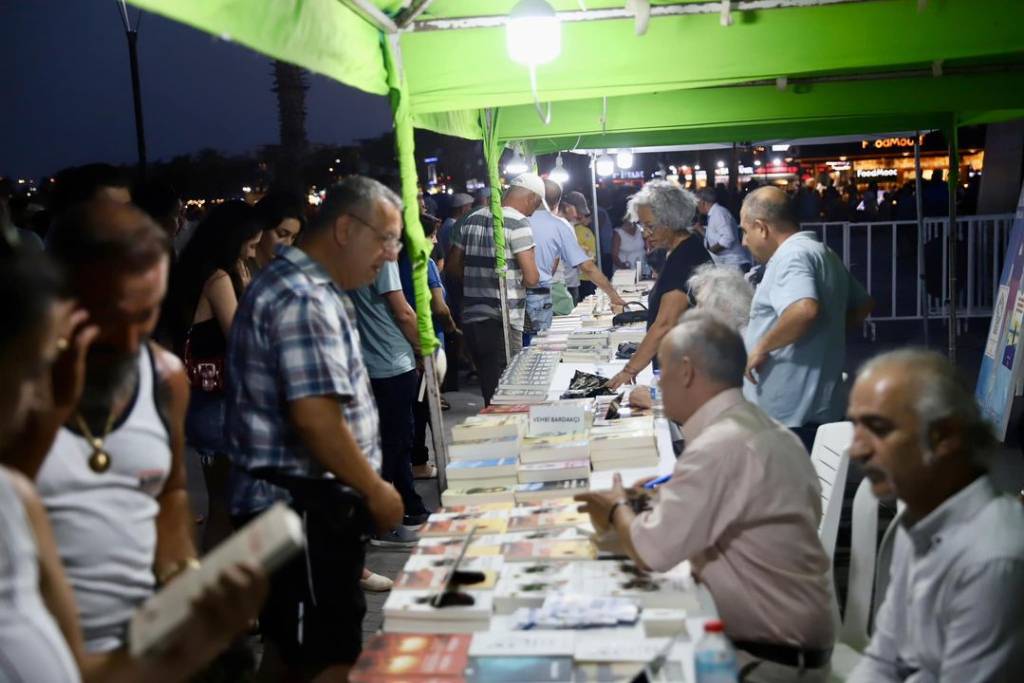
486	344
421	415
453	342
586	288
806	433
396	397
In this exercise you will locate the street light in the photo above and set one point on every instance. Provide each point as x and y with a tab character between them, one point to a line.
558	173
533	33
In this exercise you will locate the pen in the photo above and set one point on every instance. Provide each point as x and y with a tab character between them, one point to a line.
654	483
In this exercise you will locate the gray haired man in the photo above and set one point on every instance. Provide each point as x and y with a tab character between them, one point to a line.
953	609
743	505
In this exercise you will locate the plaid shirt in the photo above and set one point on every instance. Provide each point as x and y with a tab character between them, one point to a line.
294	336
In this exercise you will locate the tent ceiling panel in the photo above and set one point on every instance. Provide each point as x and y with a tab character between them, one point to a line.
911	100
321	35
469	68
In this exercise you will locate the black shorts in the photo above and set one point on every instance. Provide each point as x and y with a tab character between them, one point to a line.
314	613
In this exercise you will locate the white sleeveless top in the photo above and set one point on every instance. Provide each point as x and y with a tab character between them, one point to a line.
32	648
105	524
631	247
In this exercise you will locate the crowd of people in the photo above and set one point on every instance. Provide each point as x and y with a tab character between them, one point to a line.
281	346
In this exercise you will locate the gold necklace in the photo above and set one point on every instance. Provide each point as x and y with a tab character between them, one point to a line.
99	461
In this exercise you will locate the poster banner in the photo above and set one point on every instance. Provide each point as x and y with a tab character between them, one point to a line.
1001	368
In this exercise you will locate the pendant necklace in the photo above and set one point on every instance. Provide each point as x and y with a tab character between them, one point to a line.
99	461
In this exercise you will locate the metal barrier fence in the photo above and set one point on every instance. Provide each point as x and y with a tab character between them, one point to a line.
907	273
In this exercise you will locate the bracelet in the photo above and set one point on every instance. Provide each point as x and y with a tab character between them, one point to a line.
172	571
611	513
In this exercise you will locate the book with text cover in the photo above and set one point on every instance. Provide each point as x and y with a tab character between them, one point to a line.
519	670
620	440
451	547
434	578
489	426
394	657
549	518
554	448
472	509
548	549
482	469
406	610
485	449
554	471
487	563
462	527
475	495
545	490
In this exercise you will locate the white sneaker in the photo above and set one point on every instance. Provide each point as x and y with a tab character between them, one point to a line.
376	583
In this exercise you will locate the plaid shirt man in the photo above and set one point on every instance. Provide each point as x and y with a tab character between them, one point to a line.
294	336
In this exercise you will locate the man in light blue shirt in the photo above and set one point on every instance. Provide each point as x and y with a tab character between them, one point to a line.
954	607
801	311
389	339
721	235
556	242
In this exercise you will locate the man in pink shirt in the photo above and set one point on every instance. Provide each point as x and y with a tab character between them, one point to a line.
743	505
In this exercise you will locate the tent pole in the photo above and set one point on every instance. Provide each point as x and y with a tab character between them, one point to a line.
954	180
416	244
593	209
921	265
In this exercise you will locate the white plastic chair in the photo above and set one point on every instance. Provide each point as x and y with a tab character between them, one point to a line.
831	461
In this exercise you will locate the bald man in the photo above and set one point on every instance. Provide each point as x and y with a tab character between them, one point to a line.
799	317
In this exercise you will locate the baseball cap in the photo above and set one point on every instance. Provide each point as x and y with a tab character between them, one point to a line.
531	182
461	199
577	199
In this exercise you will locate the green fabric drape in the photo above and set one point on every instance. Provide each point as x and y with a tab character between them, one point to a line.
492	153
415	242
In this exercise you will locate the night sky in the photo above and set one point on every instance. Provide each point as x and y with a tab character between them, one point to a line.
66	91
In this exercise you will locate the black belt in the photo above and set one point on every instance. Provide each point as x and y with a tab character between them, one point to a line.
786	655
539	290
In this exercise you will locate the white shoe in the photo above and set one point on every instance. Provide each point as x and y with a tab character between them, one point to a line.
376	583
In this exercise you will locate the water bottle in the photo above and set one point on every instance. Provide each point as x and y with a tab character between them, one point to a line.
656	404
714	658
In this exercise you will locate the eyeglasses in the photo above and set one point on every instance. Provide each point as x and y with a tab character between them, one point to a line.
391	244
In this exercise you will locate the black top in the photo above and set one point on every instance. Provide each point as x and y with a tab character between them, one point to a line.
207	340
678	268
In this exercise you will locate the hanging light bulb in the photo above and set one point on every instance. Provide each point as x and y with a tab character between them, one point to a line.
558	173
605	165
533	33
624	159
516	165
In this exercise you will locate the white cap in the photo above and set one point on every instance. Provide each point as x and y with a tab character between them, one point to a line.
461	199
531	182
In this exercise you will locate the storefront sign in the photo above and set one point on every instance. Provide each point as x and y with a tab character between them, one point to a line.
563	417
886	143
877	173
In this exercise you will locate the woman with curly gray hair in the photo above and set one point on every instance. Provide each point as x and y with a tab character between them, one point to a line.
665	211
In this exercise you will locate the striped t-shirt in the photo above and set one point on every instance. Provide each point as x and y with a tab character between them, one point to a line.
480	281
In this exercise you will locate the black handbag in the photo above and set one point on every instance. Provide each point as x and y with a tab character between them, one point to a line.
628	317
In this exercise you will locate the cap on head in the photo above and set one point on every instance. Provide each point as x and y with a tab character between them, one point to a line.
461	199
532	182
577	199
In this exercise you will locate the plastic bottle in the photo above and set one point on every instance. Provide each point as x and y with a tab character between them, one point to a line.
714	658
656	404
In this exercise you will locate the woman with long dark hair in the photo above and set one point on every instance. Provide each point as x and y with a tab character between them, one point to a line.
206	285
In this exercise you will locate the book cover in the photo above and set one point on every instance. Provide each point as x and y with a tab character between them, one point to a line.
409	605
479	469
451	547
548	549
519	670
434	578
417	656
523	644
487	563
553	448
486	448
548	518
479	509
462	527
544	490
554	471
473	495
506	409
490	426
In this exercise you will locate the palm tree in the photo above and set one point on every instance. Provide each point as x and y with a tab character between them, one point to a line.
290	85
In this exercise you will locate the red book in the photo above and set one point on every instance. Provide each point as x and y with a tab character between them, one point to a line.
505	410
413	657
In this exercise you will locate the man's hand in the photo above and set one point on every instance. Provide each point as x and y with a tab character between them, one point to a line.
755	360
385	506
640	397
620	378
219	614
67	377
617	300
598	504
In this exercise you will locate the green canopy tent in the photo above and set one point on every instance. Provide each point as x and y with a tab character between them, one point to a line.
685	71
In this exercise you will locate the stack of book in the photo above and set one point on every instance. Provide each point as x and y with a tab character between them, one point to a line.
479	481
577	468
626	445
527	378
557	448
588	346
539	491
416	656
624	277
491	426
416	611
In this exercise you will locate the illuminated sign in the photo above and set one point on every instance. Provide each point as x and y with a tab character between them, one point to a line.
886	143
877	172
838	165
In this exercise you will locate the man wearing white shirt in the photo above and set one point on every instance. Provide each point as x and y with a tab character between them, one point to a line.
722	234
954	607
